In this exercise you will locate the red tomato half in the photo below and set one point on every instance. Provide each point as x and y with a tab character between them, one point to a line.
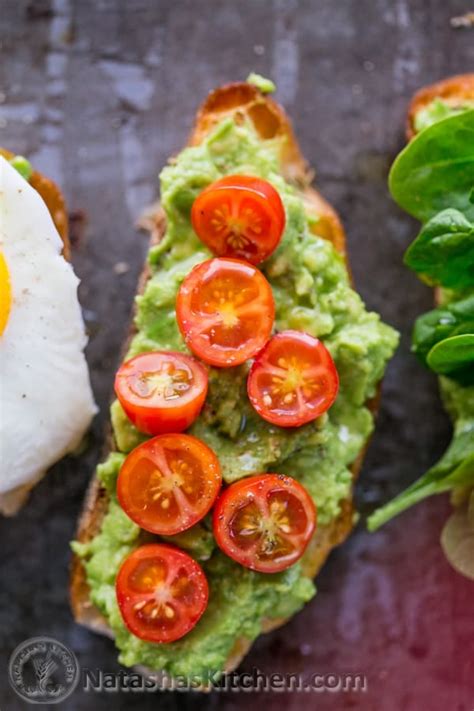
225	311
161	391
293	380
239	216
161	592
264	522
169	483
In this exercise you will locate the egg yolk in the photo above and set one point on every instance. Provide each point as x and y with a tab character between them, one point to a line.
5	293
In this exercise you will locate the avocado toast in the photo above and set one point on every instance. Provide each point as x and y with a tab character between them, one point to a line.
241	129
432	179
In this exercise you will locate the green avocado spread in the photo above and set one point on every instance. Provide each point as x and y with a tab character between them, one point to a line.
438	110
23	166
312	292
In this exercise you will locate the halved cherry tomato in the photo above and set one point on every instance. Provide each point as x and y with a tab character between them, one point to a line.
161	391
168	483
239	216
161	592
225	311
293	380
264	522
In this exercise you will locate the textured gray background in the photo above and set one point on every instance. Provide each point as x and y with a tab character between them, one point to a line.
98	94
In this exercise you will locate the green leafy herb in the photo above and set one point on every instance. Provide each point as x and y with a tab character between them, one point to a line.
443	252
433	179
457	538
451	320
455	469
436	170
454	357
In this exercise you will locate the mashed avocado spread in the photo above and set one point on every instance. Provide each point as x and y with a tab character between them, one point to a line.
438	110
312	293
23	166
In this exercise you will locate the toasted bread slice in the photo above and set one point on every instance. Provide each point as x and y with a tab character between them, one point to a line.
453	90
240	101
53	197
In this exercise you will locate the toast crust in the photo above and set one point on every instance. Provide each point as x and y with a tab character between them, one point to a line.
240	101
453	90
13	500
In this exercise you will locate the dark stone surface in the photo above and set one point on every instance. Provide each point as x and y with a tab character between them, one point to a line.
98	93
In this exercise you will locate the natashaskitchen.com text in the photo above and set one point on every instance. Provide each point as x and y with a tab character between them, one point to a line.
96	680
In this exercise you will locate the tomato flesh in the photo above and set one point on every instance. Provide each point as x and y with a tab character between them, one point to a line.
225	311
161	592
239	216
161	391
293	380
169	483
264	522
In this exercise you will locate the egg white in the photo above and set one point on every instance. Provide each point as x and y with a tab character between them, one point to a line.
46	401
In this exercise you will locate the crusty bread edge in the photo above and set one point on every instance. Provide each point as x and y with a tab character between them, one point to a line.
12	501
238	100
453	90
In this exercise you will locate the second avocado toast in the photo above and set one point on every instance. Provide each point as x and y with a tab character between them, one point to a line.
433	179
240	130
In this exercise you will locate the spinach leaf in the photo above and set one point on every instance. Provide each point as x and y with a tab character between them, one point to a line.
436	169
454	357
457	538
455	469
443	252
446	321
